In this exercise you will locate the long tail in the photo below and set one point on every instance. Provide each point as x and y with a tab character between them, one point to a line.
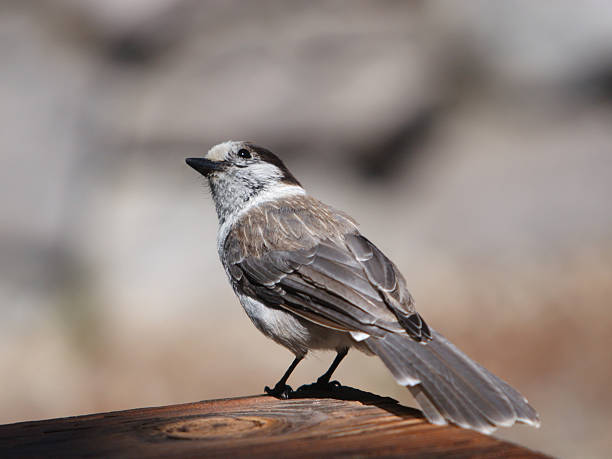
449	386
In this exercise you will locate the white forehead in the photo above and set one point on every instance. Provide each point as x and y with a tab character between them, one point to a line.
219	152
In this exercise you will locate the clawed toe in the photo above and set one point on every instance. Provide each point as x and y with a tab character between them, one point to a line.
282	391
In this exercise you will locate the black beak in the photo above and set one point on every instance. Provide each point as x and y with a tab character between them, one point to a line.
205	166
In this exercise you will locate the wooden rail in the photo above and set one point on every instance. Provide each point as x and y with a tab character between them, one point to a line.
352	423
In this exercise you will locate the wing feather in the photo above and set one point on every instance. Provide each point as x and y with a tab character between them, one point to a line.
346	284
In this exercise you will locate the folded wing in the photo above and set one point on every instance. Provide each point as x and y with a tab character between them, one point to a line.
343	284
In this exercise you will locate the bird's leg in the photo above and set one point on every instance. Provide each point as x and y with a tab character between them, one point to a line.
324	379
281	389
323	383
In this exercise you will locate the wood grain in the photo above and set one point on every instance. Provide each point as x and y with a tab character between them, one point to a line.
352	423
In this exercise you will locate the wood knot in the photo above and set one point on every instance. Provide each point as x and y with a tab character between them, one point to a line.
221	427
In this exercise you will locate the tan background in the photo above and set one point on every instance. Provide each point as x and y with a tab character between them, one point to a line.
472	140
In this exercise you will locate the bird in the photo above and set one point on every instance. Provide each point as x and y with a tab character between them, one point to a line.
309	280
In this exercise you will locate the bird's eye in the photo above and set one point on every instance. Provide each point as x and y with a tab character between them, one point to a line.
244	153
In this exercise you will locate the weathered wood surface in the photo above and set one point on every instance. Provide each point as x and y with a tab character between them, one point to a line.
353	423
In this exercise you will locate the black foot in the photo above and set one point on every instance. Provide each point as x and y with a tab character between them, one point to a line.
279	391
320	386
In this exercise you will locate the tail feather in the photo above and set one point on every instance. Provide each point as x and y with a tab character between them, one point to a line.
409	371
432	413
475	382
435	378
451	405
448	385
525	413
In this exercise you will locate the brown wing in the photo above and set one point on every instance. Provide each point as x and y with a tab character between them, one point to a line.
343	283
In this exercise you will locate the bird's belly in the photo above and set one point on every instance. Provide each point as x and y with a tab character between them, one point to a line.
296	334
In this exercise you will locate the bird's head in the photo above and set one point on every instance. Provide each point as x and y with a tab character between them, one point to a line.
239	172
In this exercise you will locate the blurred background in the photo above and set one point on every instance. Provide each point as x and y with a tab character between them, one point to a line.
471	140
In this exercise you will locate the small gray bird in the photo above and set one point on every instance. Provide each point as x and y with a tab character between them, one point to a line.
309	280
